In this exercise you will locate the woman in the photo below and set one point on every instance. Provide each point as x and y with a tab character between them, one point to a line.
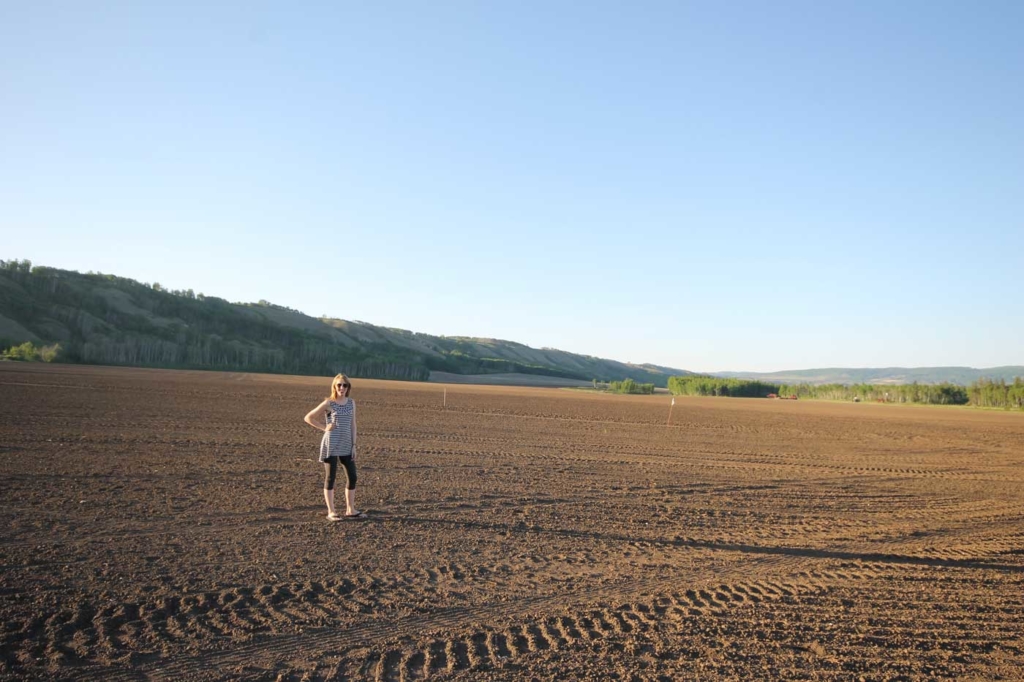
338	445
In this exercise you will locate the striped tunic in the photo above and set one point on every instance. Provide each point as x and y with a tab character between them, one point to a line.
338	441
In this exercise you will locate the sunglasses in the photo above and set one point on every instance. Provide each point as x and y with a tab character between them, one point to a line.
343	385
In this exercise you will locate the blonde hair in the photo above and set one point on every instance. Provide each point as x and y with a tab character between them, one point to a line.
341	378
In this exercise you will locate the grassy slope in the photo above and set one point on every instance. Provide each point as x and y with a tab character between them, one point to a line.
90	311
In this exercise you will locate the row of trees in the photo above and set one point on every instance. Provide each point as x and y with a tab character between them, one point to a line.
16	266
699	384
631	387
235	355
925	394
988	393
29	352
982	393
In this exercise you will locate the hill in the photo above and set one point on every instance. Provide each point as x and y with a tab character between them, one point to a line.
882	375
105	319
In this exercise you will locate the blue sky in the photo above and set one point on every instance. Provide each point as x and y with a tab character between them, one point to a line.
710	186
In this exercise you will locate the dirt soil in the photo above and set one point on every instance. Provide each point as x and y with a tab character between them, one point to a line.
170	526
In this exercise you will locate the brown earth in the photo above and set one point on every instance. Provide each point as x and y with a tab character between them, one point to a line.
170	525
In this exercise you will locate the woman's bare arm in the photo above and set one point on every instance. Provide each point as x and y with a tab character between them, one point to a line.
318	410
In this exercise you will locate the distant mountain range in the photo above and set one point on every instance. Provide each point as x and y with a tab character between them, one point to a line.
882	375
105	319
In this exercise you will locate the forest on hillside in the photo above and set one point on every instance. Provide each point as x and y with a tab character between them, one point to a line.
66	316
104	319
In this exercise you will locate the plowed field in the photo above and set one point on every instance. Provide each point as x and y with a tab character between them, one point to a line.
170	525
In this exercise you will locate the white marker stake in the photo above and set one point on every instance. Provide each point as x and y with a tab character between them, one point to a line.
671	405
445	401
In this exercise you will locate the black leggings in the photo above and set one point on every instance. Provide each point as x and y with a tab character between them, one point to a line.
331	470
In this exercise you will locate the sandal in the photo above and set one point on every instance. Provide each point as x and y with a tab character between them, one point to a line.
334	517
357	515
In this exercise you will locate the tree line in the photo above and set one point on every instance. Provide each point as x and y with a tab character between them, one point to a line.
29	352
701	384
988	393
628	386
924	394
981	393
